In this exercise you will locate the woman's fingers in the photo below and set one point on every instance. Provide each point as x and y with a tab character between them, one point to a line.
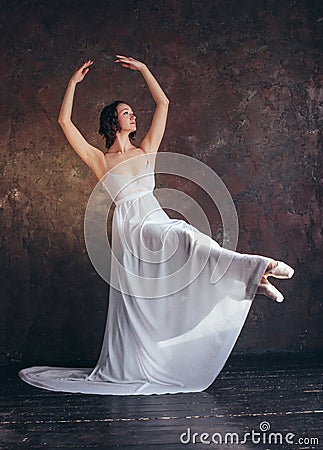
86	64
84	69
81	71
126	59
122	60
129	62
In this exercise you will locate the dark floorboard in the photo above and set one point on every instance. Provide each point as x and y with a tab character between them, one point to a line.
283	392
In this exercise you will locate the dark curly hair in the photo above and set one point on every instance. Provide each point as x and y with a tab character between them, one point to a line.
109	124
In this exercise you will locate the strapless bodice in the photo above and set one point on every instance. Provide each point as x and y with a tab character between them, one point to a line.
127	187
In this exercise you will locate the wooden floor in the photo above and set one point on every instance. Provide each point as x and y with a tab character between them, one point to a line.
259	395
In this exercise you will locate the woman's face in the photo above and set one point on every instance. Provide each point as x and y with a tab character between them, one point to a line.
126	118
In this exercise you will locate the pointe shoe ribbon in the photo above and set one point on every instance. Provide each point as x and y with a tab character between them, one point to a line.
282	271
270	291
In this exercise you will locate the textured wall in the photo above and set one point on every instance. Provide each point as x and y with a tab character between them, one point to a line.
243	80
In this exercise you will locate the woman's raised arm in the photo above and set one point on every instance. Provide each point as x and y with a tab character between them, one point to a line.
90	155
152	140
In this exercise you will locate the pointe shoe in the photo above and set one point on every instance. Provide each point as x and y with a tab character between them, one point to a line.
269	290
282	271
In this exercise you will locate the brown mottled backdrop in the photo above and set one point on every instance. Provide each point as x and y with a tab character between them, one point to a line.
244	84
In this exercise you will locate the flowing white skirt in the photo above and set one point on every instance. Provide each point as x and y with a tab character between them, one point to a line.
177	304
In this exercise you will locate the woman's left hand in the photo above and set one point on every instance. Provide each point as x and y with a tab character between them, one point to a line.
130	63
80	73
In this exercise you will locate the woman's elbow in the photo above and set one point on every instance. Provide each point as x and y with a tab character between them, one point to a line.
164	101
63	122
60	120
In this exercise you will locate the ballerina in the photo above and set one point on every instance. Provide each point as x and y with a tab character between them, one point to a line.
177	342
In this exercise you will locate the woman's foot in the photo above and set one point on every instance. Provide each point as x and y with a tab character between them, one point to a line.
269	290
278	269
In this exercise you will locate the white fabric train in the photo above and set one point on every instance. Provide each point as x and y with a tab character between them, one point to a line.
174	343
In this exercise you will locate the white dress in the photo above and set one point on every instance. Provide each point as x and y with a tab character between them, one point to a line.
177	337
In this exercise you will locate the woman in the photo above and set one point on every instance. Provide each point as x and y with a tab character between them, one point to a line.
165	333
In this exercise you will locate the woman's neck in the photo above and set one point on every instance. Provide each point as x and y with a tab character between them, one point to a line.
121	144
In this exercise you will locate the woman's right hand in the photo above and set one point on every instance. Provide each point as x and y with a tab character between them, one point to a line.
80	73
130	63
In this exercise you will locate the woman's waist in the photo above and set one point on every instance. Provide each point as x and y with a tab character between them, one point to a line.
132	196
